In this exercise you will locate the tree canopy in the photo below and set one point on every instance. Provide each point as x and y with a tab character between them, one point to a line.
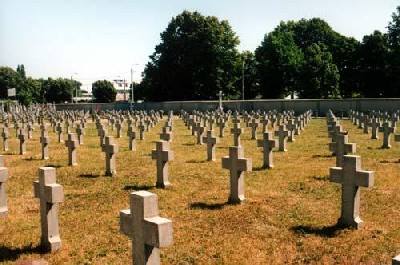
104	91
196	58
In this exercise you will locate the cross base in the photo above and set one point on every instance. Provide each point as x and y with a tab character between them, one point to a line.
357	223
51	244
163	185
239	200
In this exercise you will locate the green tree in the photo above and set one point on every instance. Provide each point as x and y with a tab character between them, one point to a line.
58	90
21	70
9	79
319	75
196	58
394	59
249	72
278	62
104	91
373	63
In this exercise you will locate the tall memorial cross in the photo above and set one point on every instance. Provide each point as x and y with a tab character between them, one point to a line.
111	149
149	232
237	165
342	147
352	178
282	135
211	141
162	154
72	144
50	193
3	194
267	143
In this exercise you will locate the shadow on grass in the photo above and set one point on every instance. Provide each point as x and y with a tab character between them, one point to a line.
139	187
189	144
89	176
197	161
12	254
388	161
325	231
53	165
31	158
207	206
261	168
321	178
323	156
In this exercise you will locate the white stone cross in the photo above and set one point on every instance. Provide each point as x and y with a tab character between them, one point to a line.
3	194
22	142
267	143
49	194
131	133
387	130
374	124
162	154
44	140
60	130
342	147
211	142
352	178
291	126
282	135
220	95
5	134
80	132
72	143
111	149
166	134
199	133
149	232
254	125
236	131
237	165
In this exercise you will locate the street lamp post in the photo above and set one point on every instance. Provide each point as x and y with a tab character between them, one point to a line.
243	79
132	91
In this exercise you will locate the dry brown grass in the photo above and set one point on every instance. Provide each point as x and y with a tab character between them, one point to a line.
289	215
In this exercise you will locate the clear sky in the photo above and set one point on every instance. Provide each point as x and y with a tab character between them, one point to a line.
104	39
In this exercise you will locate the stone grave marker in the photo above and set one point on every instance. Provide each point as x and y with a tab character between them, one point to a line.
111	149
6	135
282	135
237	165
149	232
211	141
342	147
236	131
352	178
22	142
387	130
72	144
131	133
267	143
44	140
162	154
49	193
3	194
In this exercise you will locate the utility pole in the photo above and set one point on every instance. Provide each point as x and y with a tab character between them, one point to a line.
132	97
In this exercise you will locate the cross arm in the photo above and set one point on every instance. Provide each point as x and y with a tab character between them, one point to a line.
336	174
333	147
54	193
168	155
245	164
226	162
365	178
3	174
350	147
126	222
158	232
36	189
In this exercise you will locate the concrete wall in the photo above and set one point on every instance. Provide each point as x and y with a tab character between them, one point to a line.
319	106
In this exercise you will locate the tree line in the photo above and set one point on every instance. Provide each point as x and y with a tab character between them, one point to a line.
198	57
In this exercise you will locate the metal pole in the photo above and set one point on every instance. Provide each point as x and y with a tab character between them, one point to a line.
132	98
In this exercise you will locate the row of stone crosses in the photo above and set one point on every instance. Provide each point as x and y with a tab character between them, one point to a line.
141	222
348	167
145	214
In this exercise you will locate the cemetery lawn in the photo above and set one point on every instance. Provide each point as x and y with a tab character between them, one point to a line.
289	215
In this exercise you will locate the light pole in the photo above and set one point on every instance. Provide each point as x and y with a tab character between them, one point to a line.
72	92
